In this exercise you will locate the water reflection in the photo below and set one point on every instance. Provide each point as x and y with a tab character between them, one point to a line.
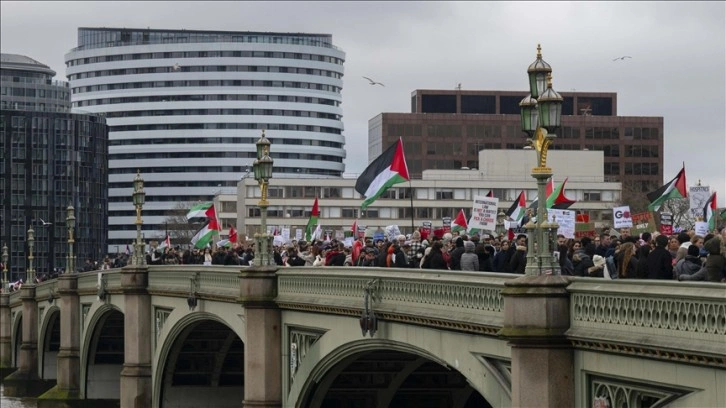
7	402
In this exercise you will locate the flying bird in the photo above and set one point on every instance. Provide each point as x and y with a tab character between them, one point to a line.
45	223
622	58
372	82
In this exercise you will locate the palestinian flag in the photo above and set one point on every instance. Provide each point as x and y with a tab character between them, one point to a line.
388	169
204	236
232	235
557	200
313	221
518	209
199	210
166	243
709	212
460	225
490	194
549	188
675	188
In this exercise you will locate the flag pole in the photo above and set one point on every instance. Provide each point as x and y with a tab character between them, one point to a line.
410	193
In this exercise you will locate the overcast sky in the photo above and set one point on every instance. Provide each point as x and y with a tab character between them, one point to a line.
677	69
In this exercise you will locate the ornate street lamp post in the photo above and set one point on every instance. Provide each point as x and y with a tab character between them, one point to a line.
139	197
6	282
541	112
30	273
70	224
262	168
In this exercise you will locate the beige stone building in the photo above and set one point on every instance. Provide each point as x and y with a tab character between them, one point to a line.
438	194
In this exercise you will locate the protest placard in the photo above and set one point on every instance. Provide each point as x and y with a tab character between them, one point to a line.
585	229
622	217
446	222
565	219
642	222
484	213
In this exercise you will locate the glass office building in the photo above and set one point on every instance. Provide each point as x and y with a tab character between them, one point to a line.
185	107
49	158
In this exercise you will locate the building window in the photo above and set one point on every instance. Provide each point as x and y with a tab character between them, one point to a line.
445	195
591	196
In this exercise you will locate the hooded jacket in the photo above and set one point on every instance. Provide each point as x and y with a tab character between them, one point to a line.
715	263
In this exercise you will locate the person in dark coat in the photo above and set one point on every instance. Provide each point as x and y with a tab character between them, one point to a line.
660	261
456	254
502	258
485	253
435	258
518	263
690	263
715	262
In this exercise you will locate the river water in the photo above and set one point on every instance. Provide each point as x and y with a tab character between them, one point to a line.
7	402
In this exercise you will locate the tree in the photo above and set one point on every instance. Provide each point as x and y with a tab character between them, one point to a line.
181	230
634	192
681	210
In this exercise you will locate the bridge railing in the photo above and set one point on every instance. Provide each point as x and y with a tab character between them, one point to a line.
464	301
207	282
651	318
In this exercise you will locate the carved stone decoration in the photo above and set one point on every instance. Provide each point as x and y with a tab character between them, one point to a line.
500	369
621	393
299	342
85	308
160	316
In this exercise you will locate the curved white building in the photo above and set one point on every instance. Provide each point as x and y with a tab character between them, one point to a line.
186	107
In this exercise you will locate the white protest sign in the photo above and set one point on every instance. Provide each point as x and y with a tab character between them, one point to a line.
621	217
701	228
484	213
298	234
697	196
278	240
565	219
286	234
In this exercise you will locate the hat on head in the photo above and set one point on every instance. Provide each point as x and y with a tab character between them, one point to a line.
598	260
693	250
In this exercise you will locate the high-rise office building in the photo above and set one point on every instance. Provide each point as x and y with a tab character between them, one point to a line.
185	108
49	158
446	129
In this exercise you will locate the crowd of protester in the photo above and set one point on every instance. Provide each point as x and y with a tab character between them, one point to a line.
685	256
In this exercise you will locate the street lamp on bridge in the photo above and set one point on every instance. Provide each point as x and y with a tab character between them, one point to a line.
29	273
262	168
139	197
70	224
541	113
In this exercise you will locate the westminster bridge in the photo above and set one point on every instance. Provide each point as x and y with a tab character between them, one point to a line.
214	336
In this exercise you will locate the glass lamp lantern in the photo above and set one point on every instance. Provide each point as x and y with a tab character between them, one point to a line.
550	108
139	195
70	218
537	73
265	167
263	145
529	114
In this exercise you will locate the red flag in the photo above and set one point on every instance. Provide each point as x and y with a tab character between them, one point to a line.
232	235
354	228
490	194
211	213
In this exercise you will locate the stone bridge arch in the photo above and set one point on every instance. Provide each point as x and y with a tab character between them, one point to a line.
482	361
49	343
103	384
182	327
17	336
